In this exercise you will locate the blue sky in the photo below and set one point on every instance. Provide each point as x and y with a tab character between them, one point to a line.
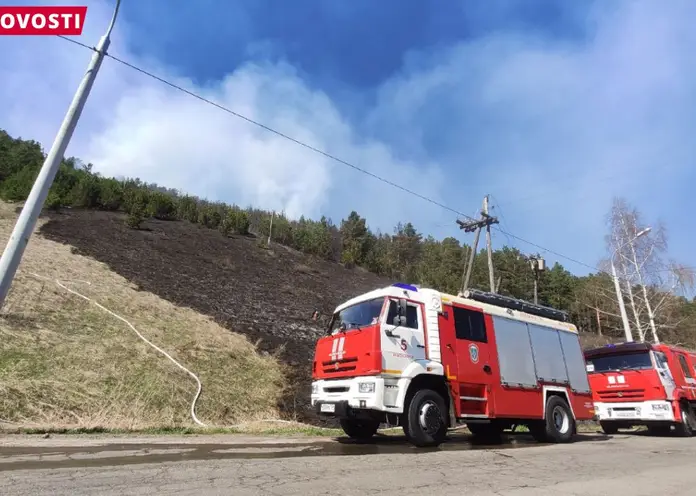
552	107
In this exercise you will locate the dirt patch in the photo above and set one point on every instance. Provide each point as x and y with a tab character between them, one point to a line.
268	295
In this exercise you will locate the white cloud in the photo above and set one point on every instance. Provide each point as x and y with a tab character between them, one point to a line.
136	126
553	129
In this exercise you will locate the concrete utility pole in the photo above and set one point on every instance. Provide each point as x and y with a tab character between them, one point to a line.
622	306
648	306
476	225
472	255
617	284
26	222
491	277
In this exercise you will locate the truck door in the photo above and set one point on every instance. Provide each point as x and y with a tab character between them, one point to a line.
406	343
689	380
665	374
474	368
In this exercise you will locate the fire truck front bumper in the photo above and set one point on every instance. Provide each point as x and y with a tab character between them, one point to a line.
635	412
344	397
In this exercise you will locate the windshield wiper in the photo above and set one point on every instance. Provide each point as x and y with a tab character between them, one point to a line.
347	326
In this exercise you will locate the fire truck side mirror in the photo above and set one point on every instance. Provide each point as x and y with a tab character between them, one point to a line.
401	307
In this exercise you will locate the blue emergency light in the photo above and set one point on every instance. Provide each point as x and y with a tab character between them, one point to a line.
407	287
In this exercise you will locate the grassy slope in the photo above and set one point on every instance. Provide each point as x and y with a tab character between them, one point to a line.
66	363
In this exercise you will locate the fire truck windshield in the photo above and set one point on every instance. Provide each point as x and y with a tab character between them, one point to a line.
359	315
620	361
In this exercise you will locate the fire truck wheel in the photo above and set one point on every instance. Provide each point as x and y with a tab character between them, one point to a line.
685	428
359	429
558	425
425	423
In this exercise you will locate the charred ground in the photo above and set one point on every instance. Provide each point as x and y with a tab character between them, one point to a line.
268	295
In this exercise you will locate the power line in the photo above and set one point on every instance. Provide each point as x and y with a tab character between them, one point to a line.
326	154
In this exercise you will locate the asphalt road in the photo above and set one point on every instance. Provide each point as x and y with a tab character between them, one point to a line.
222	465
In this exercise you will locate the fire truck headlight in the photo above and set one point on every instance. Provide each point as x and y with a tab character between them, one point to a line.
315	389
366	387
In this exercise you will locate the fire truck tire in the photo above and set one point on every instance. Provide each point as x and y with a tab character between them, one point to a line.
425	422
558	425
685	428
359	429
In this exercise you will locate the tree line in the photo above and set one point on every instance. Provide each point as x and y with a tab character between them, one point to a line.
405	254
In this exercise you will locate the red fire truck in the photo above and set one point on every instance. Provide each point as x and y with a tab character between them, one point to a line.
643	384
426	360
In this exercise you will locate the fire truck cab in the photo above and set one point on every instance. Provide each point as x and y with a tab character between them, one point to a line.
642	384
426	360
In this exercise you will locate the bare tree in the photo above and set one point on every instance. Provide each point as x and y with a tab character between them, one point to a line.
644	269
596	293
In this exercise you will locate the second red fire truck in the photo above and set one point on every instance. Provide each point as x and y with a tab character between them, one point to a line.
641	384
427	361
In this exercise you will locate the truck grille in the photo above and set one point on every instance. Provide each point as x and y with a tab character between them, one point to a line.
343	365
336	389
622	395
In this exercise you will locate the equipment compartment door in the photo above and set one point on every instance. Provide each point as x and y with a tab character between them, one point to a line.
475	370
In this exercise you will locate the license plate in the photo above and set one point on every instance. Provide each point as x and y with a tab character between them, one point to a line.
625	414
328	407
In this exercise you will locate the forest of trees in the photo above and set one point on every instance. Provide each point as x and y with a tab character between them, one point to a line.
405	255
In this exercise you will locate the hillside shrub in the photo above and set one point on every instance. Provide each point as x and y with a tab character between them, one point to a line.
161	206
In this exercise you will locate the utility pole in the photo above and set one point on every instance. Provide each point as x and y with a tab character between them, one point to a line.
538	266
14	250
622	307
651	315
476	226
472	255
491	278
617	285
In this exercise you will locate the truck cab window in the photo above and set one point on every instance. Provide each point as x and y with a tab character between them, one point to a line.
661	360
469	325
411	315
685	367
622	361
